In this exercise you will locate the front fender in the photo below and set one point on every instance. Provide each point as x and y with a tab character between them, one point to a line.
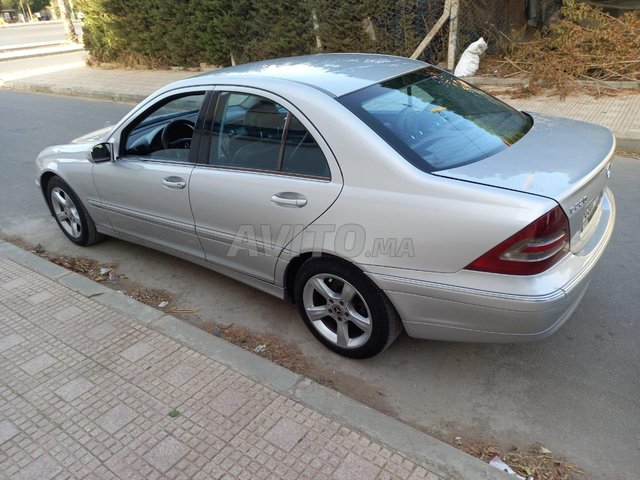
71	163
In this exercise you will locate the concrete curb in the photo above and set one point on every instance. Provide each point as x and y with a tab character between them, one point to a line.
440	458
631	145
74	92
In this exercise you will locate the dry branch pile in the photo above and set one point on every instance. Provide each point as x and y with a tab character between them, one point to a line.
584	43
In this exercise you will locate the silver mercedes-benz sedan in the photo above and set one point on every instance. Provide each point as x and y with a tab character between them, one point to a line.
375	192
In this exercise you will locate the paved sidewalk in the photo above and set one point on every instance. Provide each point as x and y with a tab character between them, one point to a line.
86	392
620	113
80	80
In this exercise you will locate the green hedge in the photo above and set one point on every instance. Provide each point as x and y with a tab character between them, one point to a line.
156	33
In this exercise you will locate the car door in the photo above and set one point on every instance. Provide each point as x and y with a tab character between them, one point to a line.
145	190
268	175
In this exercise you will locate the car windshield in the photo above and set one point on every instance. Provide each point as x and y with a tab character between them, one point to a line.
437	121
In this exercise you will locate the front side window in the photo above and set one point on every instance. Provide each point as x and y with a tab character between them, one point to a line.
437	121
165	131
255	133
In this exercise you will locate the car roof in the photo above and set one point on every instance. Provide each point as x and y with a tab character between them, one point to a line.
333	73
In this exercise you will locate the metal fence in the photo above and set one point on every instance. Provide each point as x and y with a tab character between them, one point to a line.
398	27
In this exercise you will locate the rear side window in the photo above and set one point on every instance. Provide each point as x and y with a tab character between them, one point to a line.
302	154
256	133
437	121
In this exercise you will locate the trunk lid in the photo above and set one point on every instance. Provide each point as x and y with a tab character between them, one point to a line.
565	160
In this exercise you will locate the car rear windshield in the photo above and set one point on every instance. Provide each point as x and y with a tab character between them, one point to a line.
437	121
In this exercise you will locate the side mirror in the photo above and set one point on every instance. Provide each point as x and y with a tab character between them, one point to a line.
101	153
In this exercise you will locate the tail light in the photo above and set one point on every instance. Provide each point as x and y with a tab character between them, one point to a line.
532	250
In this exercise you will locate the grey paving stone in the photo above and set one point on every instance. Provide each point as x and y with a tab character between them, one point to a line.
166	453
67	313
39	297
43	468
137	351
7	431
100	331
123	470
10	341
180	374
13	284
354	467
116	418
228	402
73	389
285	434
38	364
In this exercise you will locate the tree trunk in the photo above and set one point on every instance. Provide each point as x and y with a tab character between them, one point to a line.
65	13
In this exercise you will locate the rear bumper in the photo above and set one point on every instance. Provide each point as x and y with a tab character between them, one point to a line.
480	307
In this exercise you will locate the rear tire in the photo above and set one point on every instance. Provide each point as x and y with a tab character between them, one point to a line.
70	214
344	309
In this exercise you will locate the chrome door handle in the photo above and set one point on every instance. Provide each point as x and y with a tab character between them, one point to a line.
289	199
175	183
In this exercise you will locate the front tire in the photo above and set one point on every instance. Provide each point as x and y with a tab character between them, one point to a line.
344	309
70	214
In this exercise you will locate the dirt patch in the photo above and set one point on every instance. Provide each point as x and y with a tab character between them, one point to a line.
536	461
266	346
88	267
109	275
153	297
533	462
628	154
18	241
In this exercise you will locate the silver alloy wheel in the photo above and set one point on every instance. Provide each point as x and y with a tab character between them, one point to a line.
66	212
337	310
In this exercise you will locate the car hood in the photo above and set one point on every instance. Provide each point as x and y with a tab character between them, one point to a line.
565	160
96	136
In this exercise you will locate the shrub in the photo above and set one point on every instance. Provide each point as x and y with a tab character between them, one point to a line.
188	32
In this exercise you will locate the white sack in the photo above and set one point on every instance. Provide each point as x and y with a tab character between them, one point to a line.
470	59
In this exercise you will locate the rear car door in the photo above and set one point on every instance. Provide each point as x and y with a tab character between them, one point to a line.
145	191
267	174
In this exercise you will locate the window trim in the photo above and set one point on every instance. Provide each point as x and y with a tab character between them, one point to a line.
283	143
208	134
163	100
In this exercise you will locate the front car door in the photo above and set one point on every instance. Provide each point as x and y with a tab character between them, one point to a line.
145	191
268	175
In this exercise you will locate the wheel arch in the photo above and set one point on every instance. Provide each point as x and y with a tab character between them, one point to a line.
295	264
45	178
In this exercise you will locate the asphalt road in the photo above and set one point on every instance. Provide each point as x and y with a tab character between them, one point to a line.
576	392
34	33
